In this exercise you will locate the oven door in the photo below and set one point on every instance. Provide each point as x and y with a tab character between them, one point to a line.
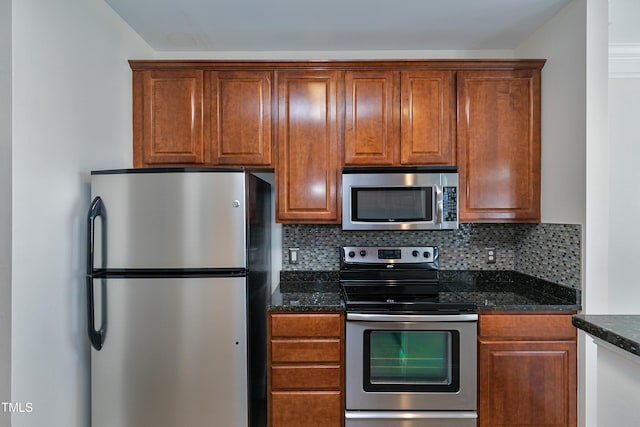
411	362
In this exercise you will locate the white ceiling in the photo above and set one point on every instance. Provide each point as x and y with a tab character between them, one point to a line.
334	25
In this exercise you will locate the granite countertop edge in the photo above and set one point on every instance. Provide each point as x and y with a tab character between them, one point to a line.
620	330
320	291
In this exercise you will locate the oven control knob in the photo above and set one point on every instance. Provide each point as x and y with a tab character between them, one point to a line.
415	253
351	254
426	254
363	253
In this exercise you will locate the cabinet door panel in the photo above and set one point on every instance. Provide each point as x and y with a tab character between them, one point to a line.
326	350
527	383
428	118
371	117
306	377
527	326
308	409
238	115
308	167
171	120
499	145
306	325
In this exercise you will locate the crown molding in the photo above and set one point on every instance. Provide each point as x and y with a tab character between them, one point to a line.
624	60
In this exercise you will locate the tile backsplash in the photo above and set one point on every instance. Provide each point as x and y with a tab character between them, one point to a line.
547	251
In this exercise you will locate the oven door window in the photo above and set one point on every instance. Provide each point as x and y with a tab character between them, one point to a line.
392	204
411	360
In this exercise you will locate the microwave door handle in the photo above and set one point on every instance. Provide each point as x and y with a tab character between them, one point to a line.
439	204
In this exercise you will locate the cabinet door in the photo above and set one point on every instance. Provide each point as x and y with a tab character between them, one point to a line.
371	118
306	408
167	117
527	383
428	118
499	145
308	169
238	118
303	325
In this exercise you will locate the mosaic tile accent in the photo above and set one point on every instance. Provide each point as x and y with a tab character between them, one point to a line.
547	251
551	252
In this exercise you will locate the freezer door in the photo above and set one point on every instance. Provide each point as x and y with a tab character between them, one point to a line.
174	353
170	220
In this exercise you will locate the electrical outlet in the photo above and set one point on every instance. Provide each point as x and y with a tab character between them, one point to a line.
294	254
491	255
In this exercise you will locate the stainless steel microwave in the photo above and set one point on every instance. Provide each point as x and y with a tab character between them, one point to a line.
400	198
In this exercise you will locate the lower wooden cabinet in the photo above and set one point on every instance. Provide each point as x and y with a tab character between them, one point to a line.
527	370
305	363
306	408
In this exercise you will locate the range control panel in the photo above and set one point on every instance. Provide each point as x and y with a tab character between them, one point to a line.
388	254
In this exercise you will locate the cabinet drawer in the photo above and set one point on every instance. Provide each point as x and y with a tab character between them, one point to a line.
526	326
327	350
308	409
306	325
305	377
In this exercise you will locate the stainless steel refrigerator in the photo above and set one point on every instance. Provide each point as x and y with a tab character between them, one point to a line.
178	273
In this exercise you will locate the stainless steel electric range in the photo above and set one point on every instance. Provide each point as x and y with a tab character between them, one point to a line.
410	359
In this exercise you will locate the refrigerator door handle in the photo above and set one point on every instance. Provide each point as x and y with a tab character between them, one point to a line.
96	210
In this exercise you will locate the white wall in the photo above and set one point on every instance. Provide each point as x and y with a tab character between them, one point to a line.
561	42
342	55
5	208
624	235
71	114
575	153
624	108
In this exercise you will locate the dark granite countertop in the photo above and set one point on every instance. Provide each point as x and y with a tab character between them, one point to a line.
491	291
306	296
507	291
621	330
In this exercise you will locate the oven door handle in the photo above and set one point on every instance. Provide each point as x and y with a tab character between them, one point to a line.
367	317
401	415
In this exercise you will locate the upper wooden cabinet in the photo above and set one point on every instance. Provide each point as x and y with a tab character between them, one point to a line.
167	117
202	117
428	118
499	145
371	118
482	116
238	117
308	166
399	118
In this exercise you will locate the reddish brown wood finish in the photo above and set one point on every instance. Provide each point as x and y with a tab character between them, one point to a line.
308	409
284	325
367	112
308	169
238	117
499	145
428	118
305	365
168	128
306	377
527	326
371	118
527	371
305	350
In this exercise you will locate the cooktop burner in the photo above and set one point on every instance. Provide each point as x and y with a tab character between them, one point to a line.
394	279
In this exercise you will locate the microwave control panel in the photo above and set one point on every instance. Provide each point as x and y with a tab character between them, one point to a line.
450	204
